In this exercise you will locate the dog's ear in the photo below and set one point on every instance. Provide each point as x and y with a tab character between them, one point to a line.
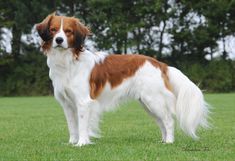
43	28
81	32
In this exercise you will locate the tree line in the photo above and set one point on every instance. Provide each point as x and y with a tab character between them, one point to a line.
181	33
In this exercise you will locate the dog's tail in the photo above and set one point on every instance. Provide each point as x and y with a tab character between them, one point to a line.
191	108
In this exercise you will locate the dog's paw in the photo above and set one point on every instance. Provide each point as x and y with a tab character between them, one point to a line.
94	135
169	141
73	140
83	142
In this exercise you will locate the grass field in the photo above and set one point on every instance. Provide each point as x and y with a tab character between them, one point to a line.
34	128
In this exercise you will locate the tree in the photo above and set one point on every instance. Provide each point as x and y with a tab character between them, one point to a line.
20	16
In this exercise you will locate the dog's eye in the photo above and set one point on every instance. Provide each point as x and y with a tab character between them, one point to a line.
68	31
53	30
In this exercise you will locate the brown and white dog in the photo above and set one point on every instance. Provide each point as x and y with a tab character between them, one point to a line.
87	84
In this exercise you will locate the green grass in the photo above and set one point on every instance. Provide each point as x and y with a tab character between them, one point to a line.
34	128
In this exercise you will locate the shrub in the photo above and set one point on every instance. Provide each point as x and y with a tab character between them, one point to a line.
219	77
216	76
28	76
196	72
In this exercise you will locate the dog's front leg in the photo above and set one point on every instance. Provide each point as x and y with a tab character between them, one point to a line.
83	124
71	117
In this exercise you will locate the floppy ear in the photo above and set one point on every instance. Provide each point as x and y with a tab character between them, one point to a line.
43	28
80	34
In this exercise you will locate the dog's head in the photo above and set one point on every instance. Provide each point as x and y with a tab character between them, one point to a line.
62	32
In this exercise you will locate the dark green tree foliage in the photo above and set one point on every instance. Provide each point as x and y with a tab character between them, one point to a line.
137	26
215	76
23	72
28	76
219	76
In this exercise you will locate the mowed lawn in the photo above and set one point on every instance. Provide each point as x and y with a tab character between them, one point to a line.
34	128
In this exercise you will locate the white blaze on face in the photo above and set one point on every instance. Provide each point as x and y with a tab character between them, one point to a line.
60	39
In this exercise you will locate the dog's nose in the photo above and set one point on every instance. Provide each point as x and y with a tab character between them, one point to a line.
59	40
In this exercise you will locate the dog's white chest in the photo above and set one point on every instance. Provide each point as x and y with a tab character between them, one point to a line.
70	77
59	72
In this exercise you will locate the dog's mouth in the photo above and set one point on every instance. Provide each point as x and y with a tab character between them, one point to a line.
60	47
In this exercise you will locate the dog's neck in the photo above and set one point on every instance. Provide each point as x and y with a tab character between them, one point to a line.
62	62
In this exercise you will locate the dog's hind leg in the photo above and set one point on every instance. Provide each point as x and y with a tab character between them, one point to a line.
158	108
158	120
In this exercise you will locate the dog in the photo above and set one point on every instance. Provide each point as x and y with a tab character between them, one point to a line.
88	83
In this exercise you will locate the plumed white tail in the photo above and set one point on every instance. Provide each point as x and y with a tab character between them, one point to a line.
191	108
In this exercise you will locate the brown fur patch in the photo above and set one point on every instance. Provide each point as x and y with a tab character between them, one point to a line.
164	69
46	45
117	68
114	69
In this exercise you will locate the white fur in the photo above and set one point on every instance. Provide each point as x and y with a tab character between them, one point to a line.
191	108
70	79
61	34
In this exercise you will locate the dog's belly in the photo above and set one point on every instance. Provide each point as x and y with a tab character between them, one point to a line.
111	97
